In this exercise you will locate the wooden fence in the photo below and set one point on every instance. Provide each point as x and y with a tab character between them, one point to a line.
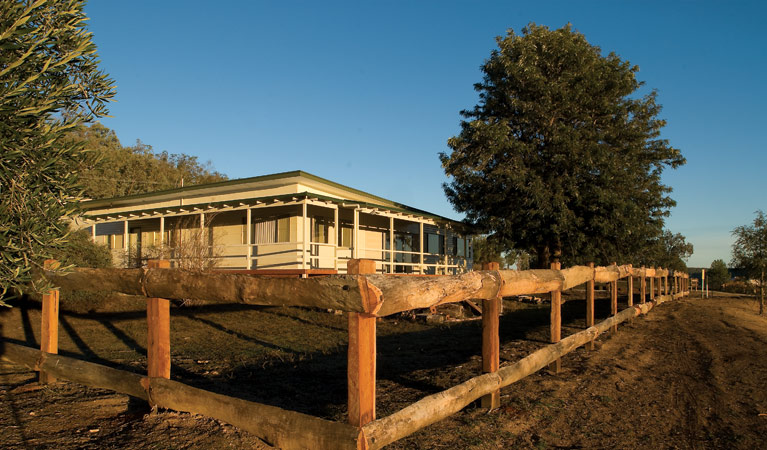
365	296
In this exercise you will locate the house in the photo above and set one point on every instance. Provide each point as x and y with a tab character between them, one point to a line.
292	220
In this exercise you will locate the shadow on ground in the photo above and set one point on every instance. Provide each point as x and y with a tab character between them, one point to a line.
411	363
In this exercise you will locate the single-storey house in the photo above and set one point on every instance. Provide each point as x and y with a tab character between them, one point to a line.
292	220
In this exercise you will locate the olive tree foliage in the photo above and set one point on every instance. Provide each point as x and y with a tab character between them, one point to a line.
49	83
561	155
749	251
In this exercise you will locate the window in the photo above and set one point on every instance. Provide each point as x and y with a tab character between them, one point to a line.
345	236
283	229
435	244
115	241
459	246
320	230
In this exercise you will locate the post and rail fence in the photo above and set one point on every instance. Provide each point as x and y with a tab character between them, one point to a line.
365	296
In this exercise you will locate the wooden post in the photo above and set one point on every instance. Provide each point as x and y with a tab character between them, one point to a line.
361	356
590	306
652	288
49	328
491	342
643	288
614	299
158	330
630	287
556	320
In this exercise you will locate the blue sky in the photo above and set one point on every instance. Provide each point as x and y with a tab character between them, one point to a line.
367	93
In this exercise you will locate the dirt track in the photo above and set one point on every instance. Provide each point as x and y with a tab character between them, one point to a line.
692	374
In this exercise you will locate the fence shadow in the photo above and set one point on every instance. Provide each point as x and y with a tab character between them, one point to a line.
409	365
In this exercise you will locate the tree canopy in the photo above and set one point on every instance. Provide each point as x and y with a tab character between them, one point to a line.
561	155
749	251
50	83
112	170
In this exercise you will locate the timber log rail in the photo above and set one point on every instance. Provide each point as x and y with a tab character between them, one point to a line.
364	296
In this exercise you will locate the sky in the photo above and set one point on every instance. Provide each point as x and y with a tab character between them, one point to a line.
367	93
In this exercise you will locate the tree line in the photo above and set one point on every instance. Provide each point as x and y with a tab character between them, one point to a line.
113	170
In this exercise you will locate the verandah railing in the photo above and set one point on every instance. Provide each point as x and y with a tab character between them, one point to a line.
365	296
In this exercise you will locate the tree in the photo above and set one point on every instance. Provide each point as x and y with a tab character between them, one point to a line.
487	250
668	250
112	170
718	274
49	83
561	156
749	251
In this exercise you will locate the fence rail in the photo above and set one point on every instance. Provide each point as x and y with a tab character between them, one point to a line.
365	296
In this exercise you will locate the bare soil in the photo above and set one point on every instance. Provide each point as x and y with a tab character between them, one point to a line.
692	374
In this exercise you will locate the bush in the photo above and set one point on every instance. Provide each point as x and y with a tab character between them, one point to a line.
80	251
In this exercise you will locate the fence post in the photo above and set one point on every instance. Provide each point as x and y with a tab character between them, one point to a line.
158	330
556	319
652	287
491	343
590	305
361	356
614	299
49	327
643	287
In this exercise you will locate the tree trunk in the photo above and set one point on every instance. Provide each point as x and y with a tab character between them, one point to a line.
543	257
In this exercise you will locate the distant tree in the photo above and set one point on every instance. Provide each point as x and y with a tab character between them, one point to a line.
49	83
750	251
561	156
487	250
718	274
668	250
112	170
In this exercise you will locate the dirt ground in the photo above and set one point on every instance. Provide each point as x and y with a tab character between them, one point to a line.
692	374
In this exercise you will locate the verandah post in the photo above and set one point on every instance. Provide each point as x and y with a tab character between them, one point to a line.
158	330
361	356
556	319
590	305
49	327
491	343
